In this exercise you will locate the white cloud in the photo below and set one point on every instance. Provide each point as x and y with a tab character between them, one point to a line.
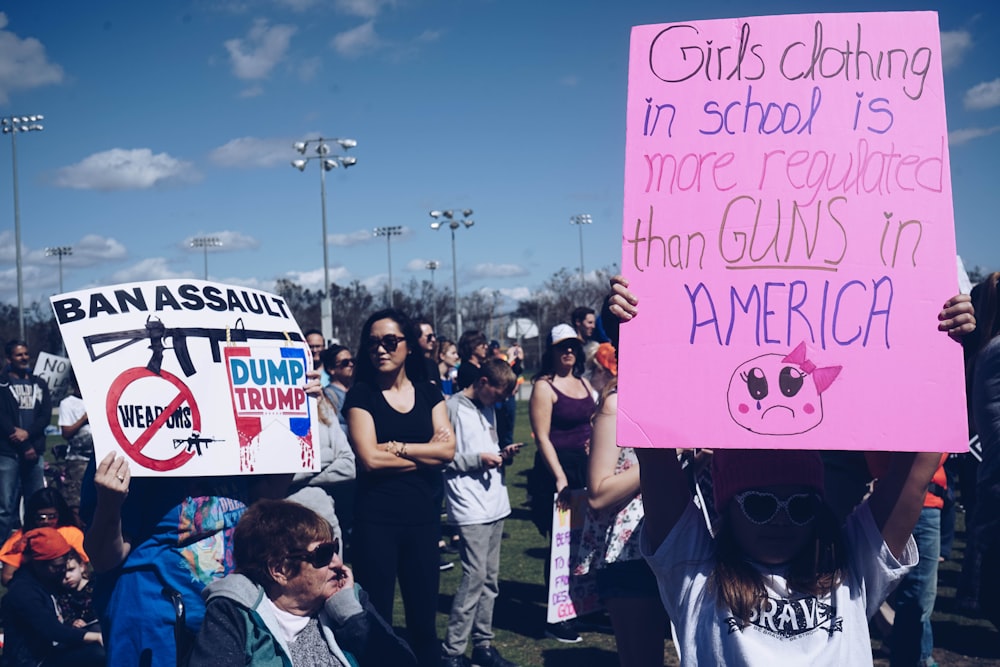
152	268
357	41
954	45
251	92
88	251
93	249
985	95
377	283
7	253
314	279
254	56
125	169
353	238
23	63
253	152
35	279
254	283
964	136
230	241
516	293
491	270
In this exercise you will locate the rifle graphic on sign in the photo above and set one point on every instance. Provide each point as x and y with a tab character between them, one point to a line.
194	442
156	332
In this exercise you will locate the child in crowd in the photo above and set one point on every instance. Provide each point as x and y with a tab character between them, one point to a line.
477	504
76	602
35	633
778	578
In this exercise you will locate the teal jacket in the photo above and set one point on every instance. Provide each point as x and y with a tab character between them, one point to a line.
240	630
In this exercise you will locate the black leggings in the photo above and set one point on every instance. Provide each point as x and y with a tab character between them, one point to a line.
383	551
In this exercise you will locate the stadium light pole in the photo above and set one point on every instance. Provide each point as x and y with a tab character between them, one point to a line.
60	252
327	162
388	233
205	242
453	224
12	125
580	221
433	266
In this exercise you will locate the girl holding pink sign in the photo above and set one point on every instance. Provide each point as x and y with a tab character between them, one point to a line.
778	576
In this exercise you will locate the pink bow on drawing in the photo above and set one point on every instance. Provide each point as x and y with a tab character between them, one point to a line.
822	377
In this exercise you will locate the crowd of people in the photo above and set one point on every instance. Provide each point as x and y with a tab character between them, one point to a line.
801	550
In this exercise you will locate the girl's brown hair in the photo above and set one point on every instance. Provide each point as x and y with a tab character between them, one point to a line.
816	570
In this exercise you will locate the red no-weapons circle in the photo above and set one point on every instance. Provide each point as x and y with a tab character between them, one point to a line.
134	449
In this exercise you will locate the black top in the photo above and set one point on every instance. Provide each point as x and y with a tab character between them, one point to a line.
400	498
21	398
31	624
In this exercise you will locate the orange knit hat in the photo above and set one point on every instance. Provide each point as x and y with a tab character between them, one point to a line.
42	544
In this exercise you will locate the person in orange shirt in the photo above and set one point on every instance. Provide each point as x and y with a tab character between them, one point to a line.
45	508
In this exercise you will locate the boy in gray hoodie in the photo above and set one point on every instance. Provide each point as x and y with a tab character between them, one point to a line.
477	503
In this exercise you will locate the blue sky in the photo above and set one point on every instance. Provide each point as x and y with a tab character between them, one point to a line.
170	120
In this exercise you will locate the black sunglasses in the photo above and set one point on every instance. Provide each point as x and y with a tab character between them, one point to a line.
320	556
761	507
389	342
344	363
430	336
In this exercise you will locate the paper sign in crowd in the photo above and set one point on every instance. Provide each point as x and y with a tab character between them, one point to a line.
55	371
788	229
569	595
187	377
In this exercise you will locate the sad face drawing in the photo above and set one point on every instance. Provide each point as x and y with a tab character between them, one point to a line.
776	394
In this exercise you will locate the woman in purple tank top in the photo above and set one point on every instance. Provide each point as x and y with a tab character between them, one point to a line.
562	405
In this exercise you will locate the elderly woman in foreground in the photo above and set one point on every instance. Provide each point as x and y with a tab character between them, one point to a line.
291	600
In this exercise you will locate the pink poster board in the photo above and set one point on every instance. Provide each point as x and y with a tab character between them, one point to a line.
788	228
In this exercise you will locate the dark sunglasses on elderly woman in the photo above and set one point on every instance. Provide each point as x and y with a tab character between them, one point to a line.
761	507
389	342
320	556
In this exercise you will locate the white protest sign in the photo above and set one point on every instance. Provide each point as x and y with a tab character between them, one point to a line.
188	377
55	371
570	595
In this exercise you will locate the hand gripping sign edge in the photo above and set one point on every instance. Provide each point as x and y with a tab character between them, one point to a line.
134	449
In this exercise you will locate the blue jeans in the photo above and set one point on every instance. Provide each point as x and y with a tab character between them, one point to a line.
16	475
912	637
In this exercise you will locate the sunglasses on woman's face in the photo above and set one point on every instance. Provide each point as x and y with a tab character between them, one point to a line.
569	349
344	363
761	507
389	342
320	556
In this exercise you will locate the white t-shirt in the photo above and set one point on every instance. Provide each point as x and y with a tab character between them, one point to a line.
81	445
788	629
